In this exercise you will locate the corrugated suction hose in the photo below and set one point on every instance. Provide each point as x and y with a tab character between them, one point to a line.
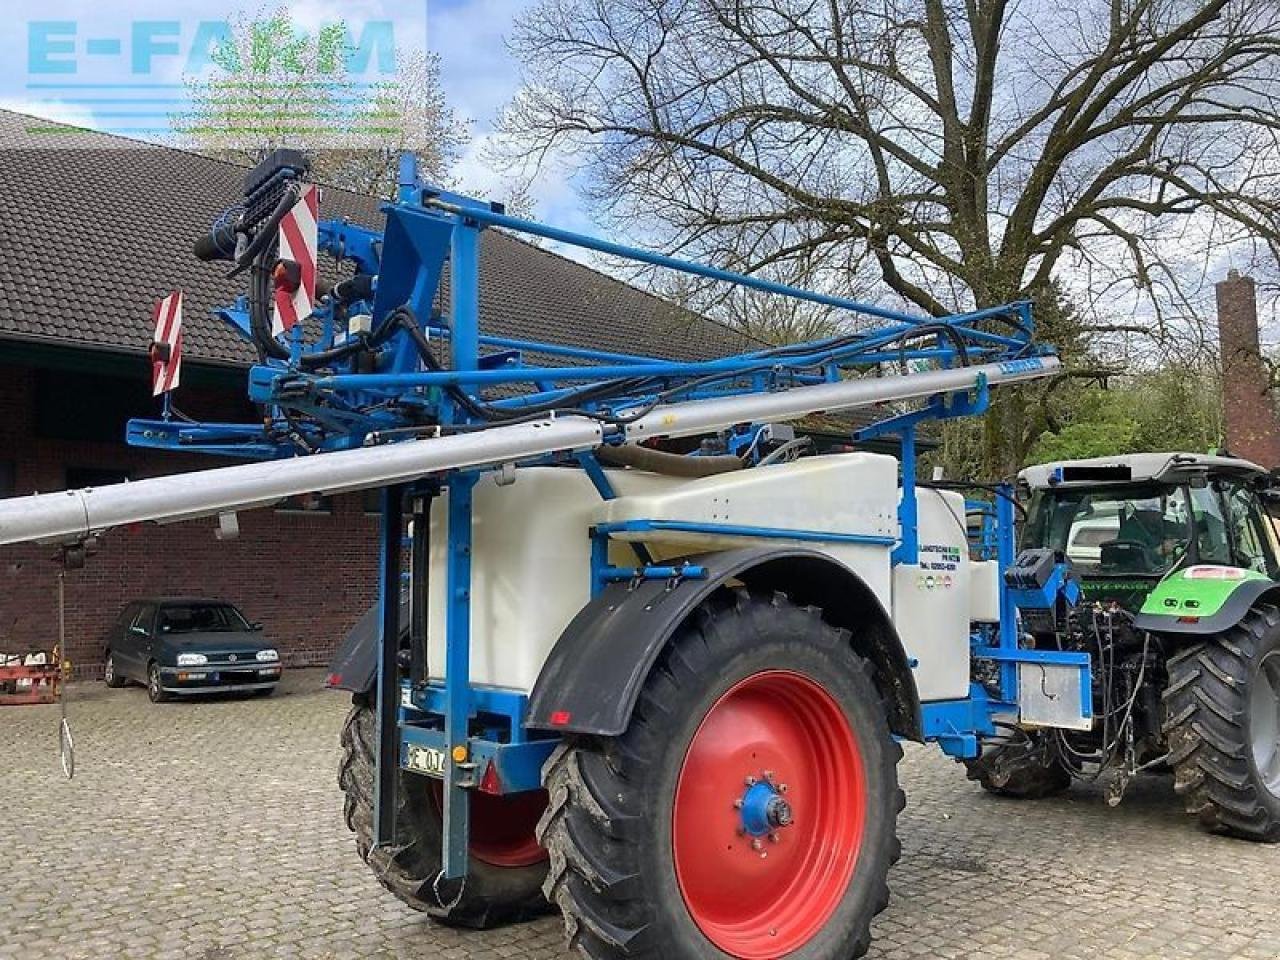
671	464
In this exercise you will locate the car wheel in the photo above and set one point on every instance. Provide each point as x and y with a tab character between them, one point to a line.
110	676
155	692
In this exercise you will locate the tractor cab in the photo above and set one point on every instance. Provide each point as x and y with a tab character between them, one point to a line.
1125	523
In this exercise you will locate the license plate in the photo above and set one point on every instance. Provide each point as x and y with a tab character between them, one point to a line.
426	760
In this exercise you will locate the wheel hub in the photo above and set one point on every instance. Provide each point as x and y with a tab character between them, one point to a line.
763	810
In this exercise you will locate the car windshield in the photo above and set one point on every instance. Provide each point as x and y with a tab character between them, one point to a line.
1135	530
202	618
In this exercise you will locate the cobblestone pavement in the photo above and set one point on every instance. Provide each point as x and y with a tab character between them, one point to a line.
212	831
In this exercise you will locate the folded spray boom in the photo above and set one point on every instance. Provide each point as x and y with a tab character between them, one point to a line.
75	514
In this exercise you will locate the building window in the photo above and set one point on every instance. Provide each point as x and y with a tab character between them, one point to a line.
61	412
307	503
78	477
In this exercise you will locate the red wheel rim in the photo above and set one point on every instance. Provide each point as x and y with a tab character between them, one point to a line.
763	901
502	827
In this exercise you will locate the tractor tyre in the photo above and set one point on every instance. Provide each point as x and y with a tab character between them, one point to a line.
1025	770
1222	721
748	810
506	865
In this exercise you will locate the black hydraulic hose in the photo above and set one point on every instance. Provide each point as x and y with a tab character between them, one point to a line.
266	235
260	314
952	334
322	358
404	318
359	287
254	258
991	488
218	244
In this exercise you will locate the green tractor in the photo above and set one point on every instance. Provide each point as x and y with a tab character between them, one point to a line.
1173	562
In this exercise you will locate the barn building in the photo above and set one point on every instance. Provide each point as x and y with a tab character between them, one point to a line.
95	229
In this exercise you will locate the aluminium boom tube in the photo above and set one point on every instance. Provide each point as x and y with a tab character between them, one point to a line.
72	515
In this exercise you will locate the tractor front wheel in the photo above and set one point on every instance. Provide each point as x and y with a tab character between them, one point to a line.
506	865
1222	720
749	810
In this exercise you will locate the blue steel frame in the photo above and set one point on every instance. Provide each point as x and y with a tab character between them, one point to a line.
959	725
478	732
982	541
426	228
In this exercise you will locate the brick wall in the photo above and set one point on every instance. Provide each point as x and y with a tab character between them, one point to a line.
1249	405
306	576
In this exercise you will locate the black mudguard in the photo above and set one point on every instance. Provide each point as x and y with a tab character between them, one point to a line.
354	665
593	677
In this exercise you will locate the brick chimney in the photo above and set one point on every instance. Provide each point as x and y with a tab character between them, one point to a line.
1249	407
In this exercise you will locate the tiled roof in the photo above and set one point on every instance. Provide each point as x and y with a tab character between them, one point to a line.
95	228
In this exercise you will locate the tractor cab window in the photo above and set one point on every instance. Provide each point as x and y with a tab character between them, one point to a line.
1269	504
1247	535
1106	532
1213	544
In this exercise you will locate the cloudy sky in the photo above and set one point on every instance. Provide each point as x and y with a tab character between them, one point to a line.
119	66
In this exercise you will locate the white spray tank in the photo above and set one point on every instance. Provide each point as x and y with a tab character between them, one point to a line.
931	598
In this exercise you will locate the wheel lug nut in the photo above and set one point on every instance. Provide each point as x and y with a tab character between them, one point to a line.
751	781
737	804
782	788
774	838
756	844
768	775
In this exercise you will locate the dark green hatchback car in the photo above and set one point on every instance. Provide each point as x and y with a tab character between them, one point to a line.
183	646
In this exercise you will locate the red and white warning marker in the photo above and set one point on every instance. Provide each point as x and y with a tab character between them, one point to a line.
166	345
295	274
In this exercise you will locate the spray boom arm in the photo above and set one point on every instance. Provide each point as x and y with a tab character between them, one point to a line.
361	385
75	514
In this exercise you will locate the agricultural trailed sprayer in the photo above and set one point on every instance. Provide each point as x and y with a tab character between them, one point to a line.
647	659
